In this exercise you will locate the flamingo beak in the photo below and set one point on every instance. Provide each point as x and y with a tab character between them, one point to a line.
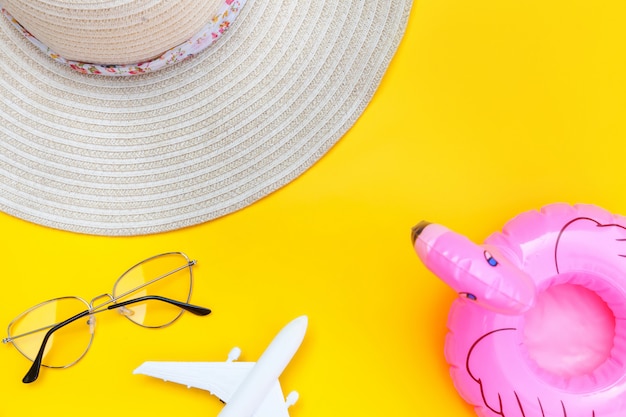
417	230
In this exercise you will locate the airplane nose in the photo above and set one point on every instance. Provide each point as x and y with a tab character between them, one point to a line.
417	229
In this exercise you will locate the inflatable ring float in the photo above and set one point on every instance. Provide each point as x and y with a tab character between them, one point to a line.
539	329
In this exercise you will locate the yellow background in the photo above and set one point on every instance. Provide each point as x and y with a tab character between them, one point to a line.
489	108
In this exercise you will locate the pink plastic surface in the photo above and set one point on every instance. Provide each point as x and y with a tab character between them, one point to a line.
540	327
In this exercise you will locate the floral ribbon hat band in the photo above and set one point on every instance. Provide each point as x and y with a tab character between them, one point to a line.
221	19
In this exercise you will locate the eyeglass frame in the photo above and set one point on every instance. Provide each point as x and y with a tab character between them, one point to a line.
33	372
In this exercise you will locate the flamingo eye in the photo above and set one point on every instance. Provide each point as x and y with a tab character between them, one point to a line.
490	259
469	296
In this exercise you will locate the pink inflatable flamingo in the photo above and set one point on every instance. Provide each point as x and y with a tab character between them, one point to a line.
540	327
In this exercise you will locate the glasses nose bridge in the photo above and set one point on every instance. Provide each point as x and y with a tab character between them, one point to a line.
109	299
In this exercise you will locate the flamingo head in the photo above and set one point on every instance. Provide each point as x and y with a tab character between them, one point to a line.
479	273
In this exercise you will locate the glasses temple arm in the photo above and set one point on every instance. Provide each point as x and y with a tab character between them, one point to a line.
197	310
33	372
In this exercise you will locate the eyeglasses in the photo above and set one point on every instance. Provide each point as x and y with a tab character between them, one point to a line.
52	334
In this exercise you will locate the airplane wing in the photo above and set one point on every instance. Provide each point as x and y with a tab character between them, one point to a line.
219	378
274	404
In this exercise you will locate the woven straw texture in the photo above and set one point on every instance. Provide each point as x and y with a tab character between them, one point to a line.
198	139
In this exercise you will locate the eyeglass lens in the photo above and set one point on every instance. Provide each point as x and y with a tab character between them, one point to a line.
65	346
168	276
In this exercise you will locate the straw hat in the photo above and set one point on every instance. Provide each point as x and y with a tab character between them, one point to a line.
125	117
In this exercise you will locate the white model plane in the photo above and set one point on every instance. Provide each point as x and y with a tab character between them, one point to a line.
248	388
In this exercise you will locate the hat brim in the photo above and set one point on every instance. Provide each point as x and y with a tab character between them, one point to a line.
196	140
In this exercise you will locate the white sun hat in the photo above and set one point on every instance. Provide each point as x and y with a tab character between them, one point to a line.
128	117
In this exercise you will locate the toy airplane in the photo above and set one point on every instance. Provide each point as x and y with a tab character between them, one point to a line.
248	388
